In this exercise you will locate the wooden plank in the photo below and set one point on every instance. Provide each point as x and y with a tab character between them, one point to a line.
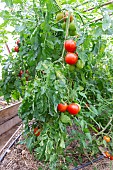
9	112
7	135
9	124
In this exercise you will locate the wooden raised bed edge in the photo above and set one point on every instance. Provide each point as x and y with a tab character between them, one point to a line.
9	117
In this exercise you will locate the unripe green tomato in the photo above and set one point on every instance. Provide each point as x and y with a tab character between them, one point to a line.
71	68
59	16
72	33
72	26
79	64
64	26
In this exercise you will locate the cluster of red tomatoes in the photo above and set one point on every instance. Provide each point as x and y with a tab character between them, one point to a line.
16	48
71	58
72	108
107	154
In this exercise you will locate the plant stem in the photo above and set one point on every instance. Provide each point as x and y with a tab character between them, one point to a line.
66	35
81	4
7	48
98	6
111	118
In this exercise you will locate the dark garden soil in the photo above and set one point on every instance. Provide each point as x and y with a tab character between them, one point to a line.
19	158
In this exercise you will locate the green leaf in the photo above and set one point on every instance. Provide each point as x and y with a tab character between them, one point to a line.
49	146
9	2
98	32
29	143
81	40
106	22
82	124
62	143
95	111
86	130
56	29
50	44
17	1
65	119
83	94
95	130
20	28
89	136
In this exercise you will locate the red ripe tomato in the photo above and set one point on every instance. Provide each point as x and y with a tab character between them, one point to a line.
20	73
18	42
36	131
71	58
70	45
73	109
111	157
62	107
16	49
79	107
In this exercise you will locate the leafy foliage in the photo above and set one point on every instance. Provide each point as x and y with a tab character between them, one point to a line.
41	52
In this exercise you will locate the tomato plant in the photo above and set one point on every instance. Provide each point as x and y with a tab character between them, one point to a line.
71	58
52	34
70	45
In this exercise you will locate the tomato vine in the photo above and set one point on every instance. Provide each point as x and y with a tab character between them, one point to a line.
37	73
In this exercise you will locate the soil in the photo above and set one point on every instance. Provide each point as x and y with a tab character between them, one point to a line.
19	158
4	104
